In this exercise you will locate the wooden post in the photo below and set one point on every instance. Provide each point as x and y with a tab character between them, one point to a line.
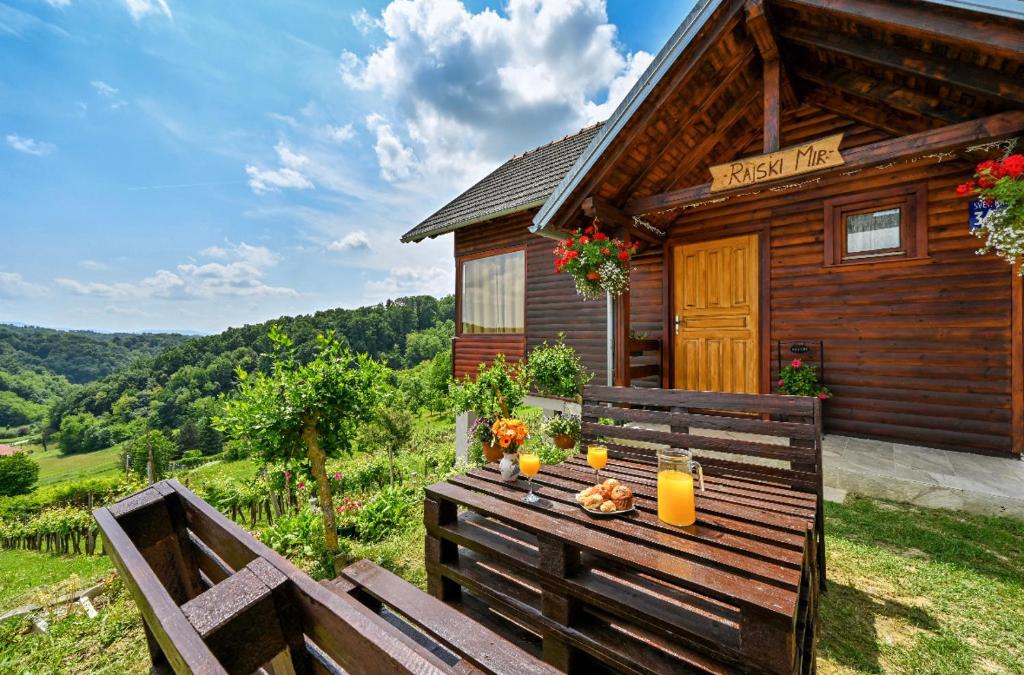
437	551
560	561
772	85
1017	360
621	341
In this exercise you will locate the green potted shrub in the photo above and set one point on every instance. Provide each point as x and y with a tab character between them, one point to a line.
800	379
497	390
564	431
557	370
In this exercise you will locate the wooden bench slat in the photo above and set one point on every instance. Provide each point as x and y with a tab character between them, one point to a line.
680	440
717	583
703	400
701	421
473	642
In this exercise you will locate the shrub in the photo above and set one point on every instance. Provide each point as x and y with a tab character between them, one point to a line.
389	511
499	389
800	379
391	430
557	370
18	474
300	538
82	433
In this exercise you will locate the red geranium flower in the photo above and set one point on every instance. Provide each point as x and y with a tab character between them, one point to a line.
1013	165
796	363
624	255
965	189
600	236
606	251
584	240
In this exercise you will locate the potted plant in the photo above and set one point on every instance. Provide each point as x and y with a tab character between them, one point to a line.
799	379
557	370
564	430
598	264
999	185
510	434
481	431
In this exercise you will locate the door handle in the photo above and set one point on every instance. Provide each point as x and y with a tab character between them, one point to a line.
677	324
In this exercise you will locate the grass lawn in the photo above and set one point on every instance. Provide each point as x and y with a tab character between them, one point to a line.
22	572
910	591
57	468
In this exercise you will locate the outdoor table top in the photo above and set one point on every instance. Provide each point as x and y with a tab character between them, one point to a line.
750	549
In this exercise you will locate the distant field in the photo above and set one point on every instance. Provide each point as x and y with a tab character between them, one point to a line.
55	467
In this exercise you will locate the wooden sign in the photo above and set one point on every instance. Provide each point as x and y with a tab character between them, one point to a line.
814	156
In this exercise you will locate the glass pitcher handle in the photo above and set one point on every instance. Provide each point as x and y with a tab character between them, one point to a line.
700	473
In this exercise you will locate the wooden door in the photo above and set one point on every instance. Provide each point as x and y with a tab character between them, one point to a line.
715	304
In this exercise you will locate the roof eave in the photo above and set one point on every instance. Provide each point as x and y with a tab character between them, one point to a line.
406	238
680	40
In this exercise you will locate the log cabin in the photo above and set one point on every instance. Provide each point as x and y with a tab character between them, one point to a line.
789	169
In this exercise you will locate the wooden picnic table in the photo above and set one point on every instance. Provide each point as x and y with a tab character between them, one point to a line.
735	592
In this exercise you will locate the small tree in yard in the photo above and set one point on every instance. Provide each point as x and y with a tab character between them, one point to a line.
18	474
312	410
150	448
392	430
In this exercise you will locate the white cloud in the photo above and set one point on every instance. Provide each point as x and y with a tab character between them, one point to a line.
30	146
214	252
353	241
471	89
413	281
141	8
396	160
363	22
104	89
94	265
341	133
58	3
241	276
13	285
288	176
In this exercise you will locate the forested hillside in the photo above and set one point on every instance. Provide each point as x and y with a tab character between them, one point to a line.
176	390
40	365
79	356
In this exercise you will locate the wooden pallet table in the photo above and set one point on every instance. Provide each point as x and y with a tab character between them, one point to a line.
735	592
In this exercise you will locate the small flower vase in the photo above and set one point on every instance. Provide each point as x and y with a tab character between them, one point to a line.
564	442
509	467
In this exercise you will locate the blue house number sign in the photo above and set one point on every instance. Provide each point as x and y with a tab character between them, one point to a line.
979	210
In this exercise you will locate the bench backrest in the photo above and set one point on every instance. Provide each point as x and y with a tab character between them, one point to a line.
758	435
215	600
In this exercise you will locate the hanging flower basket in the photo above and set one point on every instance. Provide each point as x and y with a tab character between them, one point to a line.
598	264
1000	186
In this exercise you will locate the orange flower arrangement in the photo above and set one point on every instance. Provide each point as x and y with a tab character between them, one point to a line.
510	433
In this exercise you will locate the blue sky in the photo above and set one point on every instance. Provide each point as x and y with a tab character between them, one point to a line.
173	165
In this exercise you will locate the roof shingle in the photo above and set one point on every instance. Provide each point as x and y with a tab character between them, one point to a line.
522	182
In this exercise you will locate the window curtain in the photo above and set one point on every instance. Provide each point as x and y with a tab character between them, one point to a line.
494	294
876	231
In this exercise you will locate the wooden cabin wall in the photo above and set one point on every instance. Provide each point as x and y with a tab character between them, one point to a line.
552	304
914	353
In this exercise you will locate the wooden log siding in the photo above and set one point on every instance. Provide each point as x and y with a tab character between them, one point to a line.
552	304
915	352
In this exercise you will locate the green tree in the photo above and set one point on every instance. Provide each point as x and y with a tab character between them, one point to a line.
423	345
18	474
152	446
391	430
309	409
81	433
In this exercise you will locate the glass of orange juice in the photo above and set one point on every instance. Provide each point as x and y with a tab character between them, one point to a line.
676	504
529	465
597	458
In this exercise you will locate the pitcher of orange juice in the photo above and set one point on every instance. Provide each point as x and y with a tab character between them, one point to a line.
675	487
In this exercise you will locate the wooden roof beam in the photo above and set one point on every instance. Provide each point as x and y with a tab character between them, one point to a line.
869	115
944	139
969	77
760	29
985	33
594	207
736	68
882	93
695	155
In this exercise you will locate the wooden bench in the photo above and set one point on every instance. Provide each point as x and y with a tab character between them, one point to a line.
215	600
750	439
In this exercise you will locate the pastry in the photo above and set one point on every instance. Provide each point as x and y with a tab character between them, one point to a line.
608	507
593	501
622	497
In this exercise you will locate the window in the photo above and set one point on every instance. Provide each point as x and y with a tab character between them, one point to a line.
494	294
876	226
